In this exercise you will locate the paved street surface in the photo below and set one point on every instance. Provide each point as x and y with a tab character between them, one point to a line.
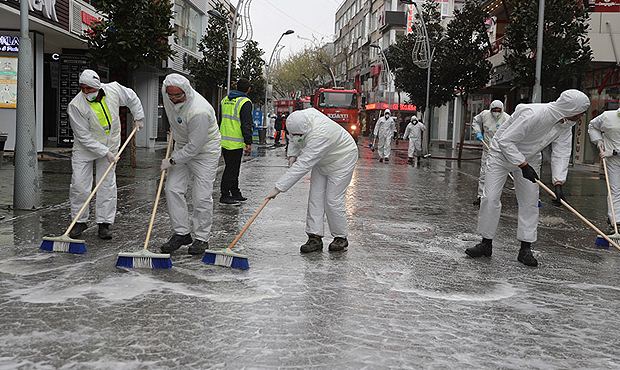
403	296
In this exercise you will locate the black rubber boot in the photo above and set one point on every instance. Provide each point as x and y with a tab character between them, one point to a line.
104	232
484	248
227	199
410	160
198	247
239	197
314	244
381	160
526	256
176	242
476	202
387	159
338	244
77	230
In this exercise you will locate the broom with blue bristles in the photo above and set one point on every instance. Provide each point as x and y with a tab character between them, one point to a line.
228	258
66	244
146	258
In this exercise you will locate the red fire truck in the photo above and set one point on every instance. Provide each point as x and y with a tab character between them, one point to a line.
341	105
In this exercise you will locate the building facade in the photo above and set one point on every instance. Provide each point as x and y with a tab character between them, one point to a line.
60	54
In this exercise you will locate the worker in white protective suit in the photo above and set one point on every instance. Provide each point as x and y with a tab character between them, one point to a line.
322	146
384	131
94	118
604	131
196	155
516	148
485	124
413	133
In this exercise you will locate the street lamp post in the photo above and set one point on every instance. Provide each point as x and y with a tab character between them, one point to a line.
231	39
267	67
537	92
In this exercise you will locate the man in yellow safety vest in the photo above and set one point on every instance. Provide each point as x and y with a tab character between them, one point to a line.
96	125
236	131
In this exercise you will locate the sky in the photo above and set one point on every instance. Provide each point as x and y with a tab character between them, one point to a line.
310	19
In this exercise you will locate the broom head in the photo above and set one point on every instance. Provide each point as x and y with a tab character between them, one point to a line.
144	259
63	244
226	258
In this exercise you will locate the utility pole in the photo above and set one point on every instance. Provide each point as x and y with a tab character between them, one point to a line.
26	180
537	92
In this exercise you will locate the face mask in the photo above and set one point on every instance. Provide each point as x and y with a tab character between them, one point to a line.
387	116
91	96
496	114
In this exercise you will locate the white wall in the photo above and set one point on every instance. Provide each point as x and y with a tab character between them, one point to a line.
600	41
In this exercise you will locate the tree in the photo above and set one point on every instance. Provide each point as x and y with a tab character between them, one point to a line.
469	42
412	79
251	67
566	52
212	70
302	73
133	34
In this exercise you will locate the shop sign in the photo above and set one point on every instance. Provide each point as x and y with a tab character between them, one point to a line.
47	7
607	6
392	107
9	44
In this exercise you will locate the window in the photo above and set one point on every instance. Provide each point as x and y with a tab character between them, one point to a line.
187	24
337	100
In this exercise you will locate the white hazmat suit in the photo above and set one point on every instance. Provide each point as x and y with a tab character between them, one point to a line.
92	144
384	131
413	133
604	131
325	148
486	123
196	155
521	139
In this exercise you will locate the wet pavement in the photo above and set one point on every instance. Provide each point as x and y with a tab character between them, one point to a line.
403	296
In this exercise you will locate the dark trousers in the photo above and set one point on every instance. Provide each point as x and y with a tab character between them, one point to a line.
230	177
277	140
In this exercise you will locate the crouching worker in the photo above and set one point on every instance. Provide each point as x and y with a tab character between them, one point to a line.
322	146
196	155
516	148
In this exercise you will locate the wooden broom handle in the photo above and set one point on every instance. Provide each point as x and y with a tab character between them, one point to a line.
105	174
585	220
611	199
247	224
159	188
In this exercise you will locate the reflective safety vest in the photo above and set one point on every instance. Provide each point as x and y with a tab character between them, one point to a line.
230	129
103	114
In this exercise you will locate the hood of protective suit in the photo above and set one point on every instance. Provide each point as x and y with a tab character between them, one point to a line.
414	119
90	78
570	103
298	122
496	104
175	79
386	111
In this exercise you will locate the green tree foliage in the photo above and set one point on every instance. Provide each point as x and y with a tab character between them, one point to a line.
566	51
469	45
211	71
134	34
251	67
302	73
412	79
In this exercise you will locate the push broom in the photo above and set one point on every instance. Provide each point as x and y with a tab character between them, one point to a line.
66	244
600	241
574	211
227	257
146	258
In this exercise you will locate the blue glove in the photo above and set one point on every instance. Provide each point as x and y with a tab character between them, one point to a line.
479	136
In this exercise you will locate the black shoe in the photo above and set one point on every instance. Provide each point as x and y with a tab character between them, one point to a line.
314	244
338	244
526	256
239	197
387	159
484	248
476	202
104	232
229	200
410	160
198	247
381	160
176	242
77	230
